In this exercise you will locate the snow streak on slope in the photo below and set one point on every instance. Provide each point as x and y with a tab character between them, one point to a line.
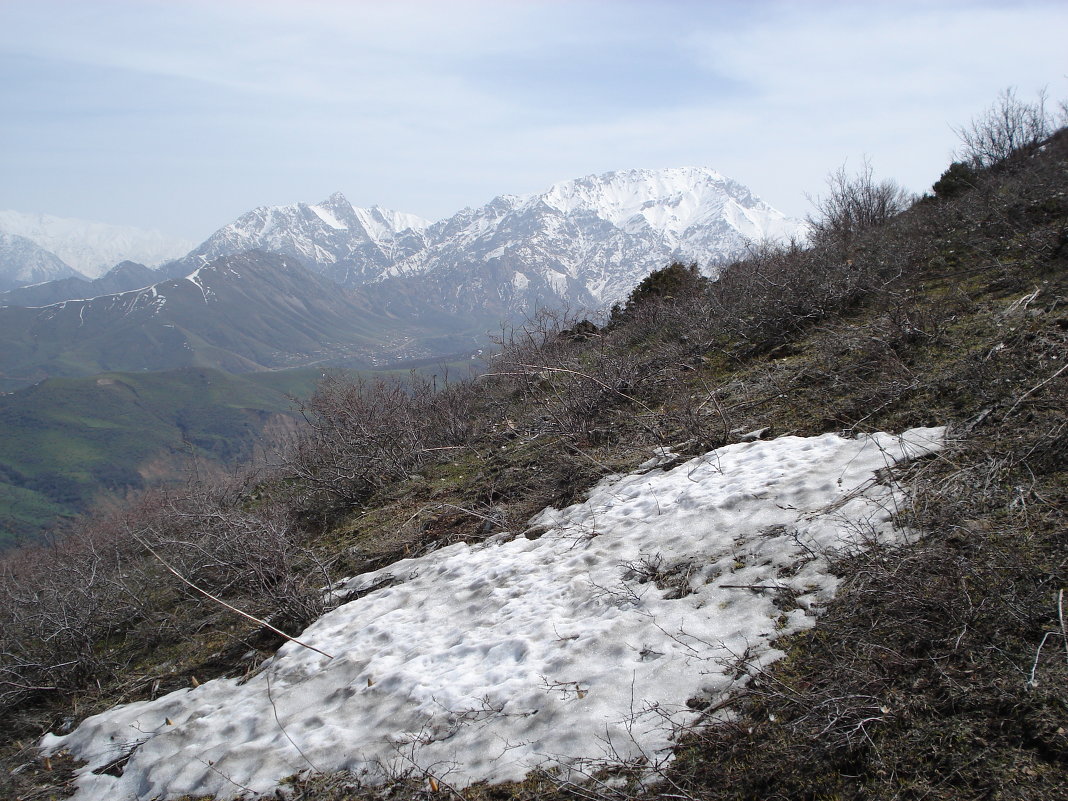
93	248
482	662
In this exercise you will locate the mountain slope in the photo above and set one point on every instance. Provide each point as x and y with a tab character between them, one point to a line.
120	278
92	248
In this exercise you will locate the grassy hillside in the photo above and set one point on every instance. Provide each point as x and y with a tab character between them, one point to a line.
939	670
67	440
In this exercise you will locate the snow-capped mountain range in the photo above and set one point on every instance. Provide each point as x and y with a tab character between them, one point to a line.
584	242
589	241
413	289
350	245
92	248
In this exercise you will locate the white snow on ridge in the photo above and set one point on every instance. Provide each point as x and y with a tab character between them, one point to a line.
382	223
482	662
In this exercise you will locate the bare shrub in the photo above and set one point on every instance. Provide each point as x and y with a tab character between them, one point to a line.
365	433
1009	127
576	389
779	290
81	609
57	602
219	539
852	205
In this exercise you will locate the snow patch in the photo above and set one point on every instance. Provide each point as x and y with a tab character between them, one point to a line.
482	662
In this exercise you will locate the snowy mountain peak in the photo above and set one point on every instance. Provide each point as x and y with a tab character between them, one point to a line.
668	200
348	244
587	242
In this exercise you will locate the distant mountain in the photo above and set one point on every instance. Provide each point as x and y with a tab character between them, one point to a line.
23	261
263	292
584	243
347	244
253	311
120	278
92	248
587	242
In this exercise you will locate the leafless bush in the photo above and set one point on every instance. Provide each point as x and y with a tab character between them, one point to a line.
365	433
1010	126
58	602
852	205
82	608
219	539
778	291
578	377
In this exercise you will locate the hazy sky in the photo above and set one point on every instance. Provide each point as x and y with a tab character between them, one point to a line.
182	115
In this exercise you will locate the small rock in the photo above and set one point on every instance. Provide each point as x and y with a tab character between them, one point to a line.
755	434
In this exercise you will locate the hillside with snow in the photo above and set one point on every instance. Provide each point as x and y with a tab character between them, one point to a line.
670	555
484	663
247	312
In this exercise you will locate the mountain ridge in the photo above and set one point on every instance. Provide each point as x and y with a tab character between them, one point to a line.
582	243
248	312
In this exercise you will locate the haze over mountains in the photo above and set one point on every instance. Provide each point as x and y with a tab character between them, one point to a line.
92	248
23	262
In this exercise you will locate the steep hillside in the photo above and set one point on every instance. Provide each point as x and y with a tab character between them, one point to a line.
936	671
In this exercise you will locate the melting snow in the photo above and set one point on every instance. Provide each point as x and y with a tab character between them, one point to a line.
481	662
194	278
